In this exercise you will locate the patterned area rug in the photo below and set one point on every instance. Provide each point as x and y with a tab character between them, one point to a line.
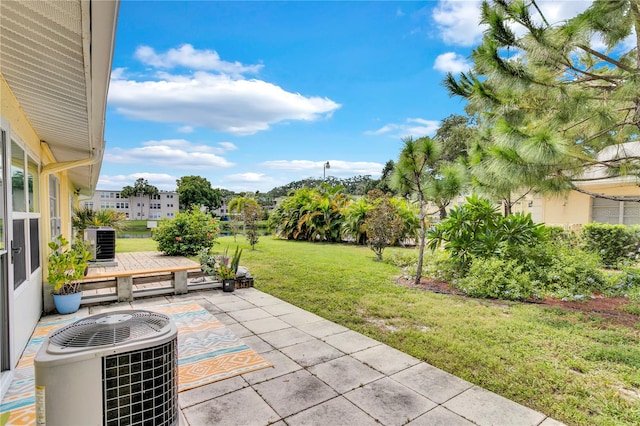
207	352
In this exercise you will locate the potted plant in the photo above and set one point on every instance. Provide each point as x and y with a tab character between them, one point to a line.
221	266
66	266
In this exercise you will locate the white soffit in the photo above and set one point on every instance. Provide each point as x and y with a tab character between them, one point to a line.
47	51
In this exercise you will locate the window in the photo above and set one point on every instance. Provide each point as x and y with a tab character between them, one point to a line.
54	209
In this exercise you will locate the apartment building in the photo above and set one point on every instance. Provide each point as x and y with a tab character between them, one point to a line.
165	205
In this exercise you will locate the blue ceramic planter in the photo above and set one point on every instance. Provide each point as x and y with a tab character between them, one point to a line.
67	303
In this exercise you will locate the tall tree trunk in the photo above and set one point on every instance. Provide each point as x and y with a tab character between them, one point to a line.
422	239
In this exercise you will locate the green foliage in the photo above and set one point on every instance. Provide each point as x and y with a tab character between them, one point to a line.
624	283
476	229
383	224
439	266
86	217
187	234
353	226
141	188
196	190
66	265
548	113
222	266
496	279
613	243
311	214
251	214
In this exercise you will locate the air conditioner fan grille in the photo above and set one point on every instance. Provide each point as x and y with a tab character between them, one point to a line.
110	329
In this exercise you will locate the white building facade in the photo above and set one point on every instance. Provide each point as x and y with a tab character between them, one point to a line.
165	205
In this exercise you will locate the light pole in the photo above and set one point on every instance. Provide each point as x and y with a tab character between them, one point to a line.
324	170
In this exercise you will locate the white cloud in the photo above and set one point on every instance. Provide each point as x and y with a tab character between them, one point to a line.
187	56
218	102
185	129
451	62
459	21
415	127
161	181
337	167
245	177
174	153
228	146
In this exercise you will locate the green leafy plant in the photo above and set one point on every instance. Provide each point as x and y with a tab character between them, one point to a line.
383	225
613	243
497	279
187	234
66	265
223	266
476	229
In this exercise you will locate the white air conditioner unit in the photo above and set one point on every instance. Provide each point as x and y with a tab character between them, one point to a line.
102	241
117	368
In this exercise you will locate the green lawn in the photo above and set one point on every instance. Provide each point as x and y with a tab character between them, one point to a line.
571	366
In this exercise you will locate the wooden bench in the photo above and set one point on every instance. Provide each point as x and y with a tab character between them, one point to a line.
124	281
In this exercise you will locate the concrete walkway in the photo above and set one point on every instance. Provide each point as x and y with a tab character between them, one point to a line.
325	374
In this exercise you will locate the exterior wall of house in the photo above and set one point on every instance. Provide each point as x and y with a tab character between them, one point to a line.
576	208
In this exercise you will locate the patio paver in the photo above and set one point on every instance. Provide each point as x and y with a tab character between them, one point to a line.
336	411
487	408
389	402
294	392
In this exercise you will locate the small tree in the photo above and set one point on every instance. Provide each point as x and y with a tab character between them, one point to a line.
141	188
383	224
187	234
251	214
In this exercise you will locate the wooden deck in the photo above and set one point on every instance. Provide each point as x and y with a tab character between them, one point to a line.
104	282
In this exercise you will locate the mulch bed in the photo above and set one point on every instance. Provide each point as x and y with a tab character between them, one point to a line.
608	308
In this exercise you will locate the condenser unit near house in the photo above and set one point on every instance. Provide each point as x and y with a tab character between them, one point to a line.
117	368
102	243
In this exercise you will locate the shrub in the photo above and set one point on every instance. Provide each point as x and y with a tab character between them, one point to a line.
187	234
624	283
568	272
476	229
613	243
438	265
496	279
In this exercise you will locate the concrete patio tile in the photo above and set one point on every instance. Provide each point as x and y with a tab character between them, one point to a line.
294	392
234	305
188	297
148	302
322	328
440	416
551	422
389	402
281	365
487	408
345	373
311	353
224	318
249	314
435	384
261	299
265	325
297	319
213	390
350	341
336	411
239	330
210	307
286	337
282	308
257	344
385	359
242	407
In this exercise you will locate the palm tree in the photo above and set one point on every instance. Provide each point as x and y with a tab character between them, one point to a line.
412	175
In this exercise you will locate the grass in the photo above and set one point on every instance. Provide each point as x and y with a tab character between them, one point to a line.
574	367
125	245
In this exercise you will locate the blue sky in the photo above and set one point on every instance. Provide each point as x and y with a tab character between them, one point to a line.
253	95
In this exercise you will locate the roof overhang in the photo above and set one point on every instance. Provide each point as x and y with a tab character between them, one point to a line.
56	57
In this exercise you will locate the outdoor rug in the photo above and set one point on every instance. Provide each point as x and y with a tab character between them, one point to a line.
207	352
